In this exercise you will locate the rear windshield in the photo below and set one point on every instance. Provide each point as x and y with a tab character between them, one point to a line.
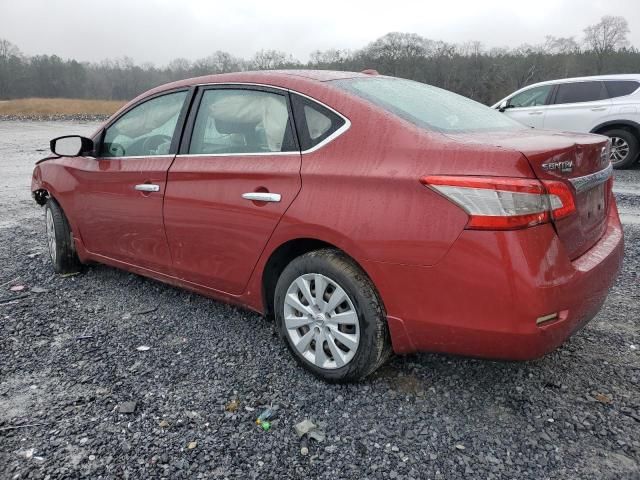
426	106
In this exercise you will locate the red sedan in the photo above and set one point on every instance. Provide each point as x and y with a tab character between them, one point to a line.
366	214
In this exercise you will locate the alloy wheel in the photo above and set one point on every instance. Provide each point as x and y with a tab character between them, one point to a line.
321	321
619	150
51	235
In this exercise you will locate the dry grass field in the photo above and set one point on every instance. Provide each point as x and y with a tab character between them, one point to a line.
58	106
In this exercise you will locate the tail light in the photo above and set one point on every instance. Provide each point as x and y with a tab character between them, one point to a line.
500	203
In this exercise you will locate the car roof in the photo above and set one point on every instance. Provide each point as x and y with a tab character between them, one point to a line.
626	76
282	78
287	79
319	75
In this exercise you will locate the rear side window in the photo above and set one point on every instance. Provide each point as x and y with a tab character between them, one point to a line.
314	122
531	98
233	121
580	92
620	88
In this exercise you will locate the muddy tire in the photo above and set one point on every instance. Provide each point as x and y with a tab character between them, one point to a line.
60	239
330	317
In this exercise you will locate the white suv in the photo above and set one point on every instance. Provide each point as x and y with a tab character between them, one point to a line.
606	104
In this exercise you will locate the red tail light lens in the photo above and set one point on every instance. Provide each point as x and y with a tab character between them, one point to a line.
500	203
560	198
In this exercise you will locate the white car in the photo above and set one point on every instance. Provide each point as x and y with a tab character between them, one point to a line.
605	104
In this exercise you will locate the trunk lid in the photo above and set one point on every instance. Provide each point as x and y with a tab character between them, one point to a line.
579	160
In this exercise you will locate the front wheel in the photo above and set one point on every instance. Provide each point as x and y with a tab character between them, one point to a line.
624	147
60	240
330	316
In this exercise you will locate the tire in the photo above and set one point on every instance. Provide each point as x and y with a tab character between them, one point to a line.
625	141
359	316
62	251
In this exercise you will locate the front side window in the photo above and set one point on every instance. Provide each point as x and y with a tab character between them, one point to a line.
530	98
426	106
580	92
145	130
314	122
241	121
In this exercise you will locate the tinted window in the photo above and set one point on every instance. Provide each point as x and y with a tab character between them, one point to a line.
241	121
315	123
580	92
426	106
530	98
146	129
620	88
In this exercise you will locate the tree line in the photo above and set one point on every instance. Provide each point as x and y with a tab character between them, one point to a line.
469	68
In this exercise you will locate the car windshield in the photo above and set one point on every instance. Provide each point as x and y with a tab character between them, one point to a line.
426	106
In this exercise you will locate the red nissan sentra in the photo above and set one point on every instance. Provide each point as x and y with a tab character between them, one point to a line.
366	214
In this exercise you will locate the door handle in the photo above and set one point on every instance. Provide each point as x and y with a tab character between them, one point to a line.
147	187
598	109
262	196
536	113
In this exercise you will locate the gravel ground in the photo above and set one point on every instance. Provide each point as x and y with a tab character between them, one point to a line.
69	361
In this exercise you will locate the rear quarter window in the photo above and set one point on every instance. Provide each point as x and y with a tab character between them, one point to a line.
620	88
314	122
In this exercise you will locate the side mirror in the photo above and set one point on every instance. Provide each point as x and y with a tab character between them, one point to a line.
71	146
503	106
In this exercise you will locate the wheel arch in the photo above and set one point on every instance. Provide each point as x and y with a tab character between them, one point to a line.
39	191
42	191
282	255
634	127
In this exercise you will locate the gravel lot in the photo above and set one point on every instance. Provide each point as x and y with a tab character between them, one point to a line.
69	360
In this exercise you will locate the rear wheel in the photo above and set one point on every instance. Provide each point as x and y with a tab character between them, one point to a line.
330	316
60	240
624	147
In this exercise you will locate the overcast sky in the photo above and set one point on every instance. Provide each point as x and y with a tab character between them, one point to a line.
160	30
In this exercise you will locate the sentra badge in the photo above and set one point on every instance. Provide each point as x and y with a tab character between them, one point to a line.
566	166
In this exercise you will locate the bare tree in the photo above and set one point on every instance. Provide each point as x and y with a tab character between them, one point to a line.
396	46
605	37
11	63
394	51
328	57
8	49
560	45
470	49
498	51
180	65
218	62
526	49
270	59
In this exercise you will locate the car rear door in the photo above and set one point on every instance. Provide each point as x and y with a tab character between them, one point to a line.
120	192
237	172
577	106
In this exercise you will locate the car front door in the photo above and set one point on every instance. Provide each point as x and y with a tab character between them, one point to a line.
528	107
120	192
577	106
237	172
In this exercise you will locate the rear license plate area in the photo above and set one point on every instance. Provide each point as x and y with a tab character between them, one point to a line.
593	206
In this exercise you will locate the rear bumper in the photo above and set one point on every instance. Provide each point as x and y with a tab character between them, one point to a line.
485	296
